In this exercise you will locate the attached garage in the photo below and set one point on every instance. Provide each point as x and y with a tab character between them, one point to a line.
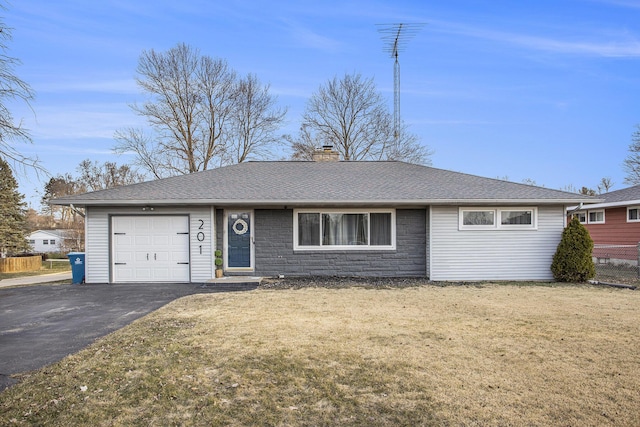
149	248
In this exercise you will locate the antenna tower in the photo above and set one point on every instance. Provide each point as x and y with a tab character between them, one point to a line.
395	38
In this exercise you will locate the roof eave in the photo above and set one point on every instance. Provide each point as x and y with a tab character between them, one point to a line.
309	202
587	206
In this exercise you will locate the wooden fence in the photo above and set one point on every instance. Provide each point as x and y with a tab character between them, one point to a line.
18	264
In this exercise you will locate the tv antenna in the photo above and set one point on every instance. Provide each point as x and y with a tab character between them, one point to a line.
395	38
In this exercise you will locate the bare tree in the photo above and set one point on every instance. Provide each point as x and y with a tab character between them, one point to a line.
407	148
350	115
98	176
147	154
303	145
12	88
631	163
190	99
253	121
59	186
605	185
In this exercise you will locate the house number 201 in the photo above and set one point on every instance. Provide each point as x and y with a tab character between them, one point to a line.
200	236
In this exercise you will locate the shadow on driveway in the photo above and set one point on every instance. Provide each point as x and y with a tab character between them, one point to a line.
42	324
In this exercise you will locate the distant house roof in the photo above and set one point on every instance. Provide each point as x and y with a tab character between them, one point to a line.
52	233
298	183
624	197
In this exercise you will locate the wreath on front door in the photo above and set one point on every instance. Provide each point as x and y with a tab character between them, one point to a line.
240	226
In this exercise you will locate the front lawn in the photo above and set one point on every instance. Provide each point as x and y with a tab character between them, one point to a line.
454	355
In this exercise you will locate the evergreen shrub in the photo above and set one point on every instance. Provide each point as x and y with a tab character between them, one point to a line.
572	261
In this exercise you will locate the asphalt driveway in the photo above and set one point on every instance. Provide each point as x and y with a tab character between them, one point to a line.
42	324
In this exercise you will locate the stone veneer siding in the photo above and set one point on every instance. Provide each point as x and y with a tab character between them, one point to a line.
274	253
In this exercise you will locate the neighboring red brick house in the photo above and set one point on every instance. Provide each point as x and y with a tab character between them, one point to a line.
615	221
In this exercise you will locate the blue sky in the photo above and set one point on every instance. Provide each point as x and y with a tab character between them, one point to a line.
546	90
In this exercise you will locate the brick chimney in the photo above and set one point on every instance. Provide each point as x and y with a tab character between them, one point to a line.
326	154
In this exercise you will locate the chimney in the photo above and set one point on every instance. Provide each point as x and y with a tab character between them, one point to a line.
326	154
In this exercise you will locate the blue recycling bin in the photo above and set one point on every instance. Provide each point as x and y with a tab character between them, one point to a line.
77	267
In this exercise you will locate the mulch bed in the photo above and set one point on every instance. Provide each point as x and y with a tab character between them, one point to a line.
335	282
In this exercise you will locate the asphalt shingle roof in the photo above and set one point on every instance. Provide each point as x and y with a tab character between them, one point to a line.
298	183
624	195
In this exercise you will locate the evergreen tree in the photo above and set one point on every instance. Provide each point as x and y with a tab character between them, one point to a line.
12	214
573	261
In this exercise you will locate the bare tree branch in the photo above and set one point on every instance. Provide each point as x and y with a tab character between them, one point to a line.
200	114
148	156
631	163
12	88
97	176
350	115
605	185
253	121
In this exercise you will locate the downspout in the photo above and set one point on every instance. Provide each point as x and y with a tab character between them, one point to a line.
579	208
76	210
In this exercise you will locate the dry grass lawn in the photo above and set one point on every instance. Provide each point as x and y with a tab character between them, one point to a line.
459	355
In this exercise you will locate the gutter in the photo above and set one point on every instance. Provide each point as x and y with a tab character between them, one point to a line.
612	204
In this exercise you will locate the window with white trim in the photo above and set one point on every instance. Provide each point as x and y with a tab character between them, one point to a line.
45	242
479	218
344	229
519	217
497	218
596	217
633	214
582	217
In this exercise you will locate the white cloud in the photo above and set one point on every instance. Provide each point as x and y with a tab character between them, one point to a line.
606	49
591	45
311	39
81	121
634	4
121	86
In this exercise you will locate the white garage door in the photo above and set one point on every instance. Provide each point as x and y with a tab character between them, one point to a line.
150	248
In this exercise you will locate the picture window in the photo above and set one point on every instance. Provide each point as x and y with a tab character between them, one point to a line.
344	230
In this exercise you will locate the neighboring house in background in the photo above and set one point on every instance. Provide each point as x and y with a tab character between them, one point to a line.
327	217
614	221
47	241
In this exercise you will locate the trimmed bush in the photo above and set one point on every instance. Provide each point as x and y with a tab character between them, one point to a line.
218	260
572	261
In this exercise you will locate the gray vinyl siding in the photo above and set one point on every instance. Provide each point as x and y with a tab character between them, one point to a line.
274	254
493	254
427	255
98	250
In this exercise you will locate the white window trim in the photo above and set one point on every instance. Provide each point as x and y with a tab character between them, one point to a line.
596	222
498	218
633	207
391	247
586	216
462	226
